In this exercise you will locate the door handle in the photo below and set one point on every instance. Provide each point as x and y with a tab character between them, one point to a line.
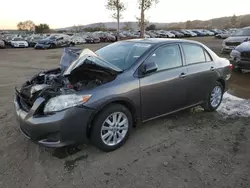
182	75
212	68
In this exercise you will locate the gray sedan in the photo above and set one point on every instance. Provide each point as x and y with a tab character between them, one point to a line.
99	96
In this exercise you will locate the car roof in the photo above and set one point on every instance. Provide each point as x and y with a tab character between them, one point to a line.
161	41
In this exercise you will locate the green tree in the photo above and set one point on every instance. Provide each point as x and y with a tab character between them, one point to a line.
151	27
42	28
117	6
234	20
143	6
26	26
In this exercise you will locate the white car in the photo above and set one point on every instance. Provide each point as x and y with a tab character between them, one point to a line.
18	42
77	39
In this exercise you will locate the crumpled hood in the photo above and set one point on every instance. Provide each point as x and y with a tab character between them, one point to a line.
87	66
236	38
244	47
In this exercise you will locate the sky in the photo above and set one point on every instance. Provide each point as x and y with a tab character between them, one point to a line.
65	13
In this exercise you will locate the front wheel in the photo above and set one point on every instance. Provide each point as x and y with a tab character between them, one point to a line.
52	45
111	128
214	98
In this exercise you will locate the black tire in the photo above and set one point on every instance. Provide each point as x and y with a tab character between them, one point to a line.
207	106
98	122
71	44
52	46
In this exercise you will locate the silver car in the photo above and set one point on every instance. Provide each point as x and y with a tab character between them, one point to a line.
2	44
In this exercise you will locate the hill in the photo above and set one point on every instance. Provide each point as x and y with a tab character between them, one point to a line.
222	22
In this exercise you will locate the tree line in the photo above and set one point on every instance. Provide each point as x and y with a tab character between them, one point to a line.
30	26
116	6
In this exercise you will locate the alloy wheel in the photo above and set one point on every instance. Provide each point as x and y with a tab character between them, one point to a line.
216	96
114	128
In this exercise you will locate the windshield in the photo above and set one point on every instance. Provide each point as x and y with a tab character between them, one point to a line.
242	32
88	57
123	54
52	37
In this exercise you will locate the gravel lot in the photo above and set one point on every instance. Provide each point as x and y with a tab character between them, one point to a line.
188	149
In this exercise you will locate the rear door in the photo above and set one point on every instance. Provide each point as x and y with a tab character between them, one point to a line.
201	74
164	91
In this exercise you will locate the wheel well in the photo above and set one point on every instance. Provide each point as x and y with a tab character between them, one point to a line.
129	106
222	82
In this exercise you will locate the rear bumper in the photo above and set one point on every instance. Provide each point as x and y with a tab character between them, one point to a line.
60	129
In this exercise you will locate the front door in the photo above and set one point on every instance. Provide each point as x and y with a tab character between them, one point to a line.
165	90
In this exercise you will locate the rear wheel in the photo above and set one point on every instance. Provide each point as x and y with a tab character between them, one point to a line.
52	45
214	98
111	128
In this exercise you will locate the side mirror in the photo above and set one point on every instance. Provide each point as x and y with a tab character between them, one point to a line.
149	68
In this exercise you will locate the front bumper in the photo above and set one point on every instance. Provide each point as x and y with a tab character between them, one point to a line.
42	46
63	128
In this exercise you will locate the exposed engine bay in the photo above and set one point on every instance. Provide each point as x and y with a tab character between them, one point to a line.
82	74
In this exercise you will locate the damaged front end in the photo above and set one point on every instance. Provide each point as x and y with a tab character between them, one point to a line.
49	106
87	71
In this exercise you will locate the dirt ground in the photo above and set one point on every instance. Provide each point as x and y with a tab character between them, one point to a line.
190	149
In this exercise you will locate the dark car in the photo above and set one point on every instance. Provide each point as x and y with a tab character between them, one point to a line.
102	95
33	40
54	41
199	33
177	34
92	39
240	57
186	34
235	39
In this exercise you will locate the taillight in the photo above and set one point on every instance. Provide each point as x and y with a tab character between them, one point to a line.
231	66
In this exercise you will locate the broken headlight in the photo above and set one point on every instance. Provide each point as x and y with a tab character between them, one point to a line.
65	101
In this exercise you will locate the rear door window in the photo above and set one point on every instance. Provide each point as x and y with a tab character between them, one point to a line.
193	53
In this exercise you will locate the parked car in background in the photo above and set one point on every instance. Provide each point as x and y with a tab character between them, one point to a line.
91	38
240	56
102	94
235	39
222	35
207	32
105	37
186	34
54	41
78	39
177	34
199	33
2	44
191	33
18	42
32	40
